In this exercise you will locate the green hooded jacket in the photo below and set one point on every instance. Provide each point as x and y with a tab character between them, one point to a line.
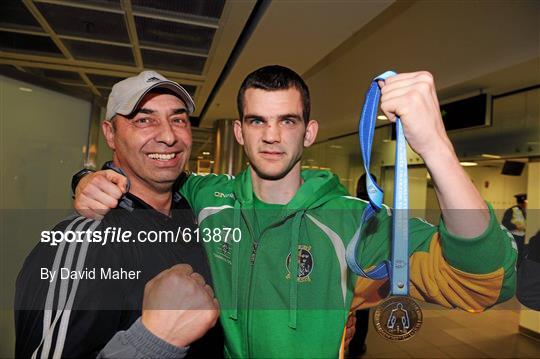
266	314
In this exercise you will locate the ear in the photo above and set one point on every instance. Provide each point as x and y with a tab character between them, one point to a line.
311	133
108	131
238	132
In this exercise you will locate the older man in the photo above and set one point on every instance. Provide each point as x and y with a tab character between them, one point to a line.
84	298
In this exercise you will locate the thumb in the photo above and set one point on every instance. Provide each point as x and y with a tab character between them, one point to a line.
120	180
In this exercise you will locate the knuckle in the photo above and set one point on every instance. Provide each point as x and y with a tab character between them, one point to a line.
423	87
199	278
427	78
185	268
172	275
415	96
427	75
190	287
84	191
101	180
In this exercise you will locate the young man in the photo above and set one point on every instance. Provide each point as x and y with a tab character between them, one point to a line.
93	292
284	287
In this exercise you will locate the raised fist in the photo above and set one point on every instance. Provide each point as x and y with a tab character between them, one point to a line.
179	307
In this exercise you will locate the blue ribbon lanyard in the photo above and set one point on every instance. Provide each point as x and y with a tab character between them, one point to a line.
398	268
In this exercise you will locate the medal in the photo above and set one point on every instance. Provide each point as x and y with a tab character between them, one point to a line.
398	317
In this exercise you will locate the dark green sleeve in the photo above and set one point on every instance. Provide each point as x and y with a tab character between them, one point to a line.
442	263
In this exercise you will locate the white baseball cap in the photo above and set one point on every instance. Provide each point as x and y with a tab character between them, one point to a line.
126	94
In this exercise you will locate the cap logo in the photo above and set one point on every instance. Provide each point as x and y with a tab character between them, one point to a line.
152	79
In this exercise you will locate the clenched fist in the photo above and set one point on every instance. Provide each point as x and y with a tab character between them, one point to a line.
178	306
412	98
97	193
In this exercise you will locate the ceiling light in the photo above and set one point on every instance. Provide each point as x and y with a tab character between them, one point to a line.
336	146
468	164
387	140
206	153
25	89
382	117
487	155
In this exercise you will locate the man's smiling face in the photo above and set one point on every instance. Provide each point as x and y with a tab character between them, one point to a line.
154	143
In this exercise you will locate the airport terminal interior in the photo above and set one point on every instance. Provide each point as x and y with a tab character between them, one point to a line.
60	58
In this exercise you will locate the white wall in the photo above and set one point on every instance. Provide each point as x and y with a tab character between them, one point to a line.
42	134
498	189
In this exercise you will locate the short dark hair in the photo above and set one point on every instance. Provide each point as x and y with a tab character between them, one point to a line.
273	78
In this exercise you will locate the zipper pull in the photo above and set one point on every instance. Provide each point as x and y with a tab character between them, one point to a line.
253	253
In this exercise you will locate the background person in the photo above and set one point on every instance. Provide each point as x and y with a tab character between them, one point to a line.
515	220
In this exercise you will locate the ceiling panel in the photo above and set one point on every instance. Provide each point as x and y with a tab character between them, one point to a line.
176	62
99	52
13	13
174	37
55	74
112	4
158	33
35	44
205	8
92	24
103	81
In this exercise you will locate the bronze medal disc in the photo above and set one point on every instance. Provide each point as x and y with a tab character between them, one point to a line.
397	318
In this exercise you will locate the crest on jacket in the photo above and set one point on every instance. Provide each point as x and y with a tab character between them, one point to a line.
224	252
305	263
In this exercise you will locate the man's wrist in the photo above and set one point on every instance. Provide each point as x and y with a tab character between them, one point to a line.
150	344
77	178
156	330
438	154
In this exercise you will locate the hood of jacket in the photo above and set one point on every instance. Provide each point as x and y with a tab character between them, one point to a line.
319	187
